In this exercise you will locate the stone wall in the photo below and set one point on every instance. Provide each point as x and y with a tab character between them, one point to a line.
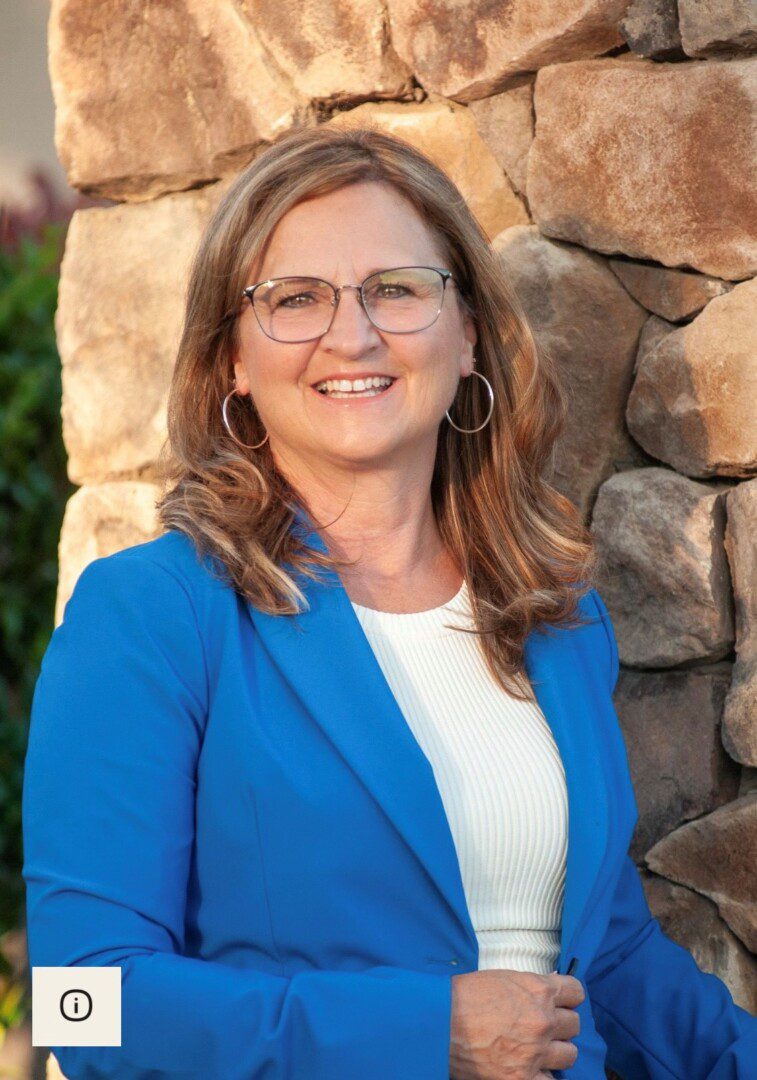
608	150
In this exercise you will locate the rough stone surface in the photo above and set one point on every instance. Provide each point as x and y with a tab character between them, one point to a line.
748	780
693	921
716	855
671	726
718	27
330	49
650	27
447	133
740	718
663	571
582	317
118	323
617	162
501	39
652	333
100	520
158	97
672	294
506	124
692	404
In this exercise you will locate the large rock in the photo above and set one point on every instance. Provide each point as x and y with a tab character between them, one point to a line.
748	780
100	520
740	717
671	726
692	404
651	29
718	27
447	133
506	124
469	49
158	97
716	855
586	322
331	49
652	333
617	163
118	323
693	921
672	294
662	569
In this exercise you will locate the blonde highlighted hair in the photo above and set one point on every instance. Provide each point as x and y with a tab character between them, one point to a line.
524	551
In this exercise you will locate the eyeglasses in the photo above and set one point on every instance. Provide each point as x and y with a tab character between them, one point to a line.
399	301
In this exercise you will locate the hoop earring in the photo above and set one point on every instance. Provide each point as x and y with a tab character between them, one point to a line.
226	422
470	431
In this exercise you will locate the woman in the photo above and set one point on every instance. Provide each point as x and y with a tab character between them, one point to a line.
301	766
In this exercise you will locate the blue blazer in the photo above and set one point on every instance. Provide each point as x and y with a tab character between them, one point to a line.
231	807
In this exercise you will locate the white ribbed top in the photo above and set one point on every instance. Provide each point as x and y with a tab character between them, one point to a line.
499	774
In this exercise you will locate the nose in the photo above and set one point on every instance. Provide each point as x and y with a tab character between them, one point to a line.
351	329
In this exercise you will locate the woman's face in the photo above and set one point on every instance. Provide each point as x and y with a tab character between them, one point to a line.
343	237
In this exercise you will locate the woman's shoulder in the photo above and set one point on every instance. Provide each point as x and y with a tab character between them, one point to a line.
131	624
593	631
593	607
173	552
161	582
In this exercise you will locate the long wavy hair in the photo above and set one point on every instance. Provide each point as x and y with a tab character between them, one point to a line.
524	551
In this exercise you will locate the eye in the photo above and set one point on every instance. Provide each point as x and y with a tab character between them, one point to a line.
291	301
387	291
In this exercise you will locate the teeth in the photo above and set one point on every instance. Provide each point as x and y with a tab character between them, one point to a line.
347	386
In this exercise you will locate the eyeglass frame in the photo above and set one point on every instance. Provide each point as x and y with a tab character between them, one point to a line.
249	291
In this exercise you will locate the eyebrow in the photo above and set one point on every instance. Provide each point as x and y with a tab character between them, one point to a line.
375	270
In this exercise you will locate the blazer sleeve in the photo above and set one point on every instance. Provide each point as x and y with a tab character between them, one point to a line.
660	1015
117	723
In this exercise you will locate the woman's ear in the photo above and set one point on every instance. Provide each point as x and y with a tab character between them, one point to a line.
242	383
471	338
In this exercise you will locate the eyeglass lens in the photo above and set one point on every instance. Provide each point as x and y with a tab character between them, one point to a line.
398	301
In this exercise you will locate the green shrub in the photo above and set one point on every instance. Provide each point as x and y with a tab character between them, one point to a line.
34	489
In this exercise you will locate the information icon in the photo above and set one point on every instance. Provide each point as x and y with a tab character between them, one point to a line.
76	1005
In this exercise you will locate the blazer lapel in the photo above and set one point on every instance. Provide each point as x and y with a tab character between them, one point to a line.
330	665
561	689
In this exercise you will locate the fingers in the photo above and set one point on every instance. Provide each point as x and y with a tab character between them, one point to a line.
563	1055
570	991
567	1024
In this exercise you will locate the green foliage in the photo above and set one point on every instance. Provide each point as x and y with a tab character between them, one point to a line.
34	489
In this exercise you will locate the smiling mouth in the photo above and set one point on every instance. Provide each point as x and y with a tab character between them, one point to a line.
357	395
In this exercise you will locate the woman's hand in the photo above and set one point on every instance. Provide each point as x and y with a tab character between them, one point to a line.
512	1025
